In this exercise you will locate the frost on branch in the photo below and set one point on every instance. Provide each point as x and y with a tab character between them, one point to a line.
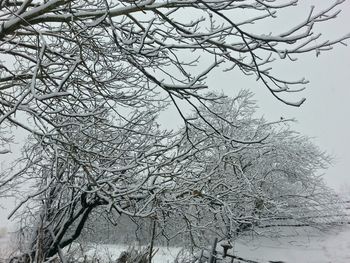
226	174
90	78
251	177
64	52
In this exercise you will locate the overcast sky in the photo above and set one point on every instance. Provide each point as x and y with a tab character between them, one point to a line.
324	115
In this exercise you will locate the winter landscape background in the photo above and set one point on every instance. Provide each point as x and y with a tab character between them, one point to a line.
323	117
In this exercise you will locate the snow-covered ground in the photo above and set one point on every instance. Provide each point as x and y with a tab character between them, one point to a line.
109	253
330	247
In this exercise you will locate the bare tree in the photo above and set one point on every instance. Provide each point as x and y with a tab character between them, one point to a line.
5	139
120	166
227	173
59	52
248	175
90	78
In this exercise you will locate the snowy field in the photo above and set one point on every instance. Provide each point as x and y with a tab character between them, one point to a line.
332	247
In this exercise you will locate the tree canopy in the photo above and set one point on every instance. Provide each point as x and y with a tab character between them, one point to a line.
77	58
88	79
220	177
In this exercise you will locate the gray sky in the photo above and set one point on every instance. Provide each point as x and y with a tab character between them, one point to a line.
324	115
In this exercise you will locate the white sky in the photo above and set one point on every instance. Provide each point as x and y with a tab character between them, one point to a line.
324	115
